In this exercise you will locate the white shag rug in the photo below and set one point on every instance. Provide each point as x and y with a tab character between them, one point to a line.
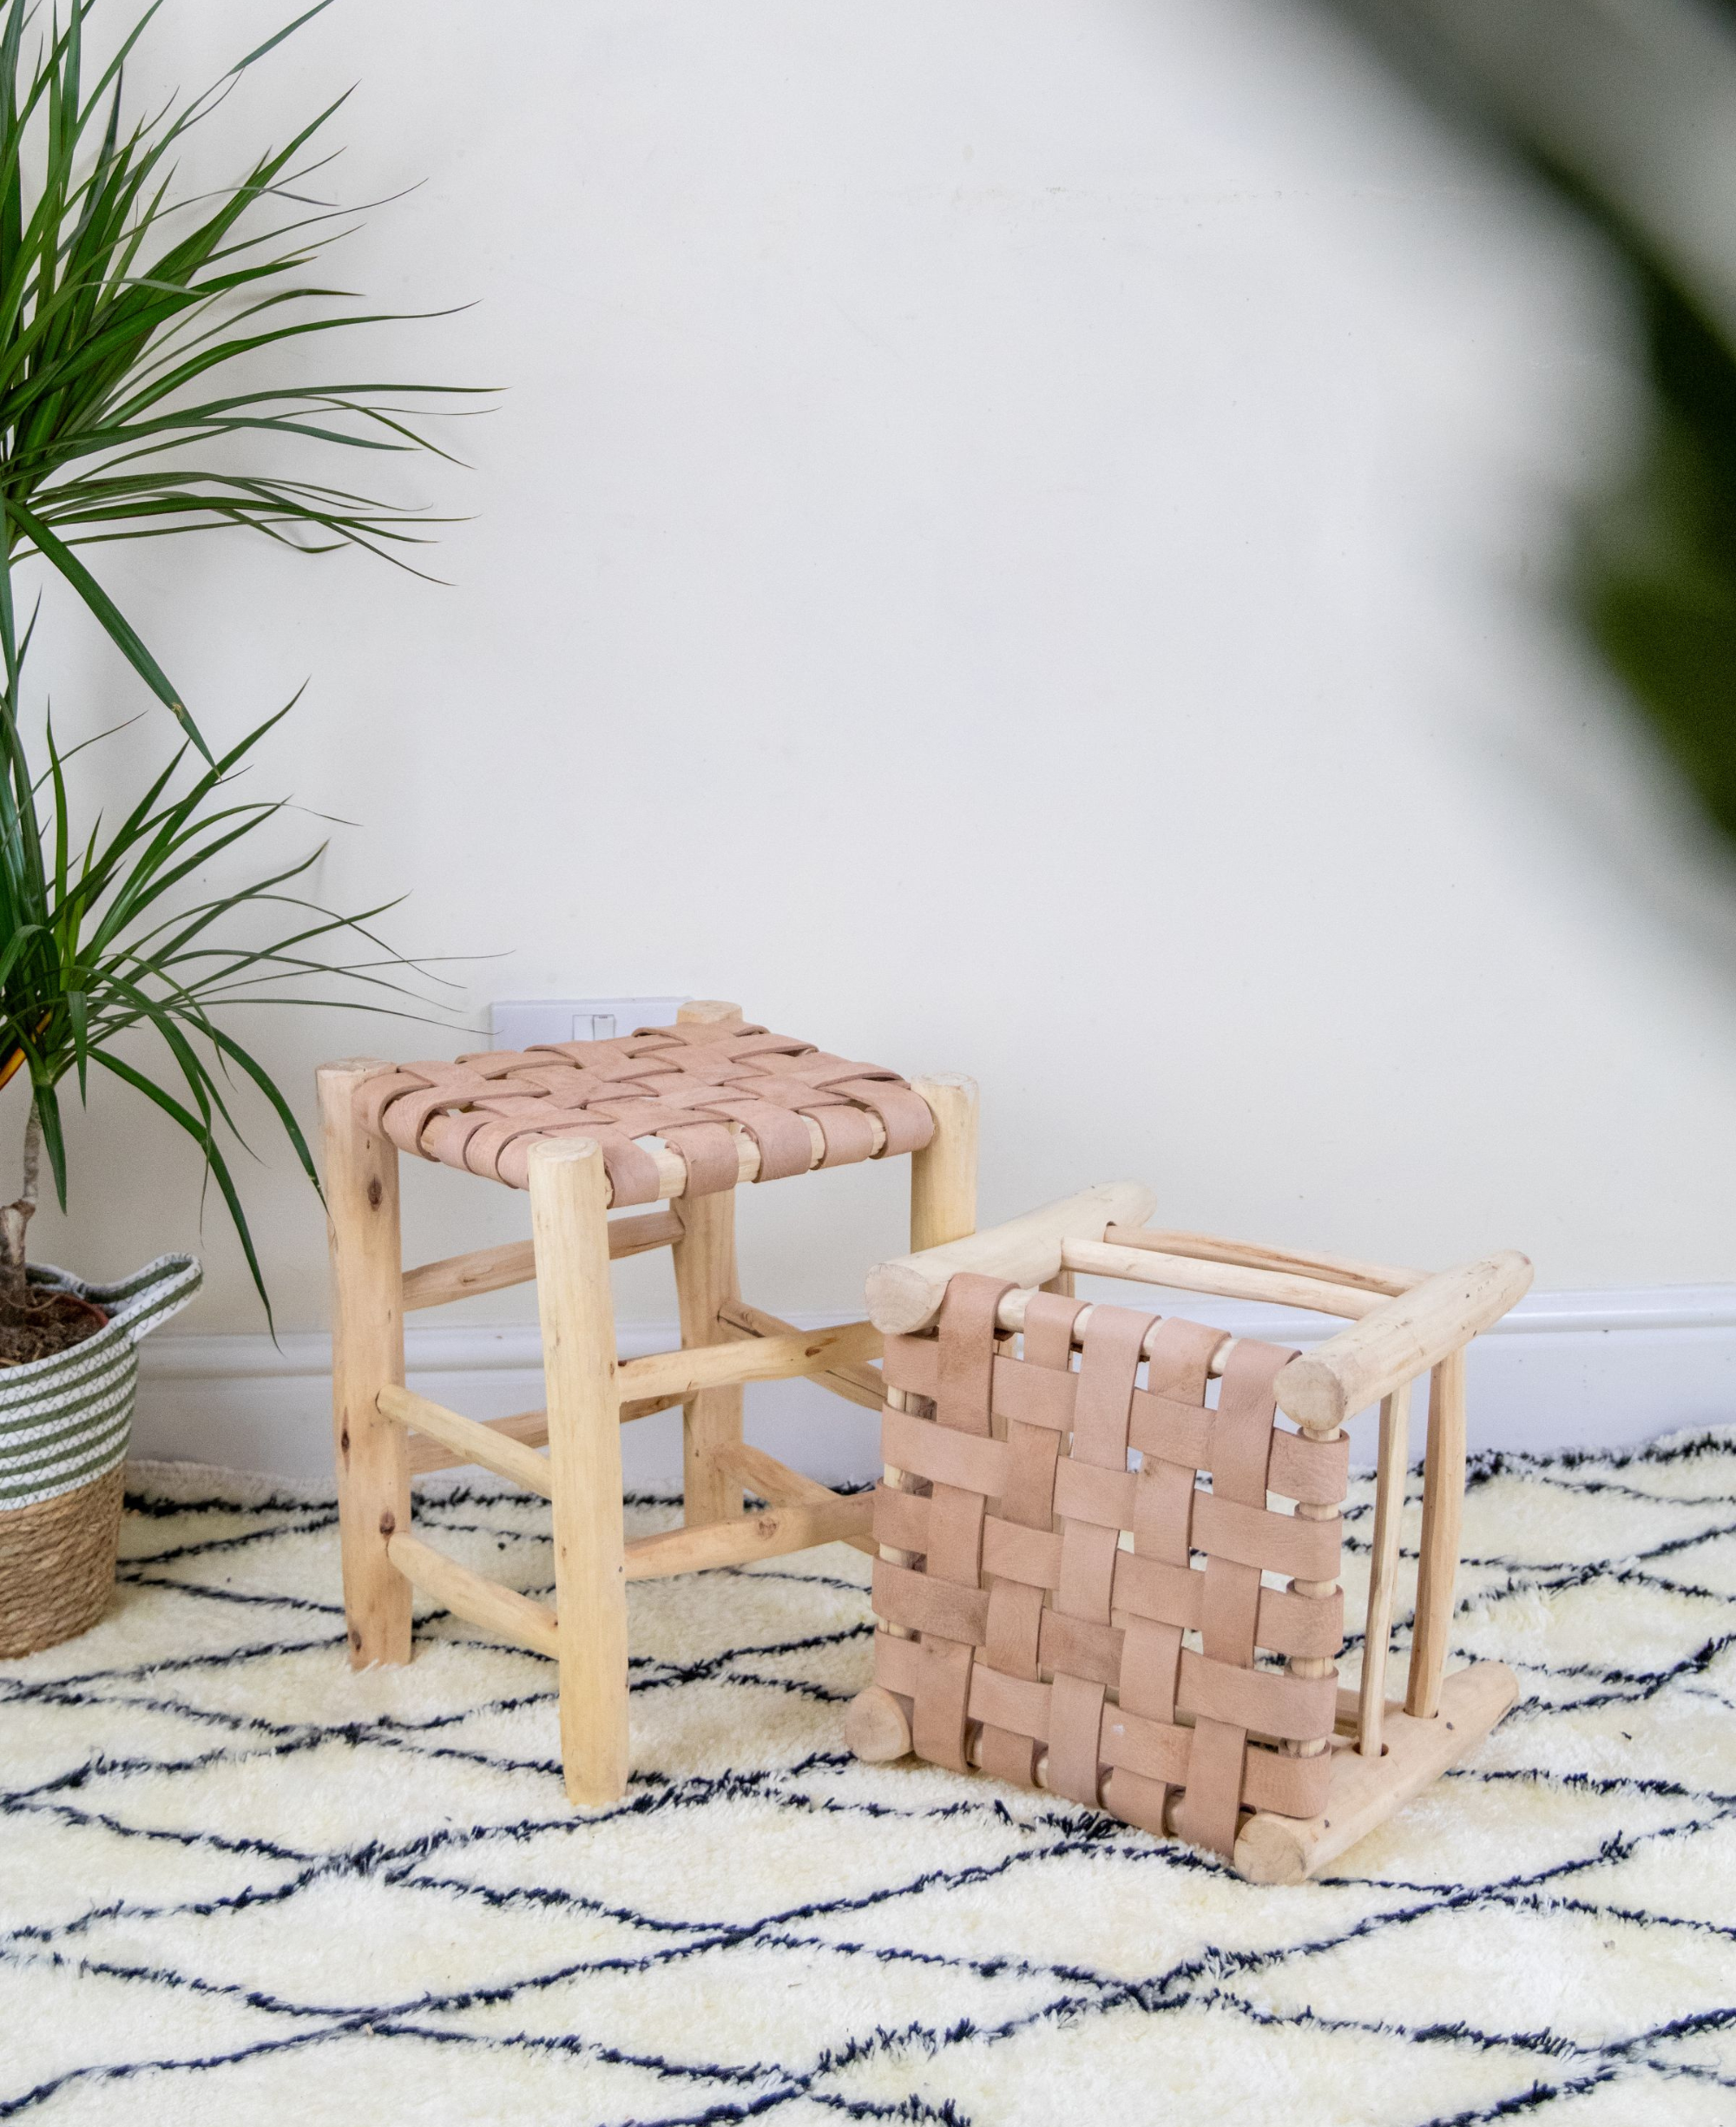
239	1883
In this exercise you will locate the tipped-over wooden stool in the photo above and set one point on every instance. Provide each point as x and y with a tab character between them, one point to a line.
1042	1614
676	1116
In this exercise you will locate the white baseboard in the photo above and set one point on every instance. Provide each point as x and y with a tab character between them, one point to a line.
1594	1370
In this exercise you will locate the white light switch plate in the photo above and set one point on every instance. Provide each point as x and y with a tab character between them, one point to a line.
522	1023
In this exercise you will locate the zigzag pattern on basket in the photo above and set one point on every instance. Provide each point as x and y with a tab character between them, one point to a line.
242	1883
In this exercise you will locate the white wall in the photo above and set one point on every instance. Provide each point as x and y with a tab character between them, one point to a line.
1014	540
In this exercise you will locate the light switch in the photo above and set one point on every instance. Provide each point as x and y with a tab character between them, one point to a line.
523	1023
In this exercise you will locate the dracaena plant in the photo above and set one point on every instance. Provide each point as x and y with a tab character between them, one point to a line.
134	324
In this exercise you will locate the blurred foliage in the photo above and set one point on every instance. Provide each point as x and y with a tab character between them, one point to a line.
1656	579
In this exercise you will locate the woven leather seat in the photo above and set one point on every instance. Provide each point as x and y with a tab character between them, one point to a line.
694	1086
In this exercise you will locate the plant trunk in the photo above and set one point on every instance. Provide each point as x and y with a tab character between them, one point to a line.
14	1219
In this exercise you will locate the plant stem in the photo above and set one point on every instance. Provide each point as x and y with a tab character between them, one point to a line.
14	1219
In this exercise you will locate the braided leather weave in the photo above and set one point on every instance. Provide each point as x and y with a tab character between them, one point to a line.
693	1085
1033	1627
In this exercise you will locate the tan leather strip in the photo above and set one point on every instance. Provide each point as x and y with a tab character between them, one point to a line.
1048	1339
942	1693
1242	1440
1112	1351
1293	1787
1254	1535
1010	1637
1294	1709
1207	1814
1314	1471
904	1597
1288	1624
967	1352
1163	1506
897	1662
1034	1394
955	1535
1156	1750
1075	1715
1136	1800
1032	1454
1229	1612
1076	1645
924	1449
912	1364
1084	1492
1181	1359
900	1519
1151	1657
1087	1572
1009	1702
1030	1555
1004	1755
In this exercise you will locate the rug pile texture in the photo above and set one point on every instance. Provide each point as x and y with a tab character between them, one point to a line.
239	1883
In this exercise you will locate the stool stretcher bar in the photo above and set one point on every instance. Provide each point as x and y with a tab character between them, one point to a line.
856	1382
478	1601
491	1270
698	1367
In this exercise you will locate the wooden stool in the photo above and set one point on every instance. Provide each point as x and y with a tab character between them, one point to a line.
1040	1614
722	1103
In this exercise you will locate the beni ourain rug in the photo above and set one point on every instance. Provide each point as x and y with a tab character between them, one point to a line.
239	1883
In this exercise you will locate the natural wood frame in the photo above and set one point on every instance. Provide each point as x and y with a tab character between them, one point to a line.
1405	1325
385	1434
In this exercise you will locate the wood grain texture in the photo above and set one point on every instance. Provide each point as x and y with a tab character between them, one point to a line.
367	1356
570	1224
1443	1484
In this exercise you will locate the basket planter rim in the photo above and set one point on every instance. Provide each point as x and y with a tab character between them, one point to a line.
66	1419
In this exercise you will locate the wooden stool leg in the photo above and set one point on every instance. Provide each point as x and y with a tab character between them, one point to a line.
1444	1484
569	1227
711	1422
944	1173
367	1354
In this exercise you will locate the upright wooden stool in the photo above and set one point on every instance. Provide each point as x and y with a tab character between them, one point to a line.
1041	1612
677	1115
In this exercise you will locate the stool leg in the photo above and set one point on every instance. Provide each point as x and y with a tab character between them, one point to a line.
944	1173
367	1354
705	1278
1443	1487
569	1228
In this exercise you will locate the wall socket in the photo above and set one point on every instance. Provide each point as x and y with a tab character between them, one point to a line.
523	1023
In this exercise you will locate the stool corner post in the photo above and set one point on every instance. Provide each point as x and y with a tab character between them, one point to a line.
943	1172
367	1356
569	1228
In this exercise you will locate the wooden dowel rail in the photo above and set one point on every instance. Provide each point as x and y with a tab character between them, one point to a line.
856	1382
1383	1567
468	1596
745	1537
472	1442
686	1372
491	1270
1228	1280
1209	1247
779	1485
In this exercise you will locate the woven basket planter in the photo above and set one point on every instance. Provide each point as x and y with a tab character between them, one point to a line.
64	1424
